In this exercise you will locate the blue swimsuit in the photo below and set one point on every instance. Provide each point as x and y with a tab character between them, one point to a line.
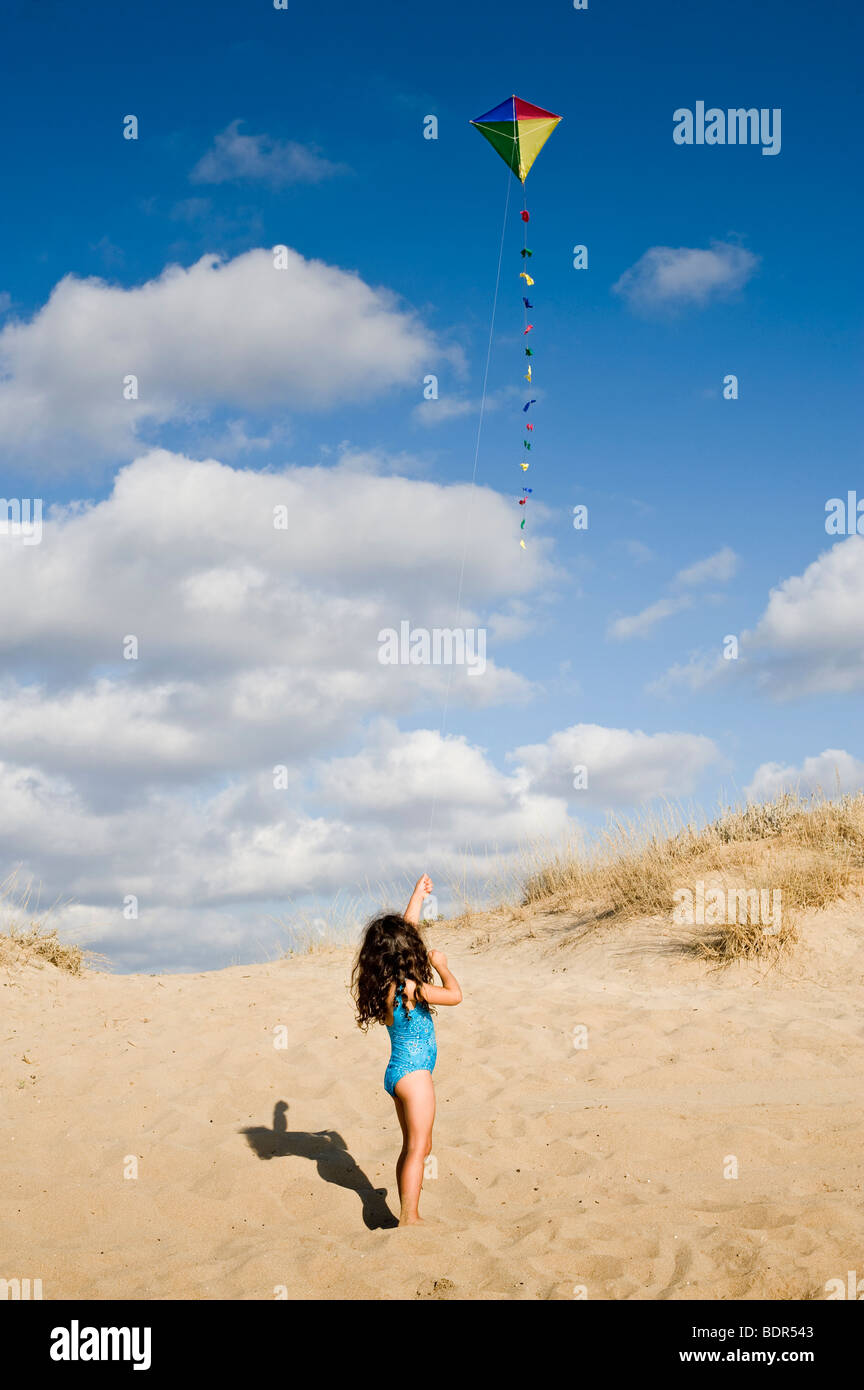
412	1041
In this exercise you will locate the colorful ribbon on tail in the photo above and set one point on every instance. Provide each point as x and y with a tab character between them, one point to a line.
527	328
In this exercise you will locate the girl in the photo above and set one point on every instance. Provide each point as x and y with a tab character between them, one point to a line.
392	983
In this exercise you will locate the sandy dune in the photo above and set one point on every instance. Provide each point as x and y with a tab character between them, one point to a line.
262	1168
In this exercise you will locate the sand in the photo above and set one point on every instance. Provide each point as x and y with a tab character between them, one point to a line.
562	1171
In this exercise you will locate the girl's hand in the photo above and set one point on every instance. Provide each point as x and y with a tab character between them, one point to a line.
438	959
422	889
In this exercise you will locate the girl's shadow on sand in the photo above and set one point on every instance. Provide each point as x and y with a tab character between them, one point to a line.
328	1151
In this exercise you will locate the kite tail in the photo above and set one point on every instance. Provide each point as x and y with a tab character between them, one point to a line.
527	327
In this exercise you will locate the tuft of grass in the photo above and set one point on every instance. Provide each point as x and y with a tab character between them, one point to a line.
36	942
745	941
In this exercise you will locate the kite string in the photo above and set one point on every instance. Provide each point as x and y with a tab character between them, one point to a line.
443	728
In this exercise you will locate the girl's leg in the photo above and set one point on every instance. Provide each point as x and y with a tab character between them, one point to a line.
417	1095
403	1125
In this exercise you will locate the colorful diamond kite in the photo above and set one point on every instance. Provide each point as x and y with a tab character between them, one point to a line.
518	131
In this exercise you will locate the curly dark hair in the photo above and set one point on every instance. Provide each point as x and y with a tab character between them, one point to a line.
392	950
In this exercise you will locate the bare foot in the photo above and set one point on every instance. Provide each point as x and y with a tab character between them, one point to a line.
411	1221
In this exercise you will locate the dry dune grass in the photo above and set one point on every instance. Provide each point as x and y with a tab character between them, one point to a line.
26	938
809	849
36	944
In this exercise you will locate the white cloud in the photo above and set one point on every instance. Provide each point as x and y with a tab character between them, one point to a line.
641	624
625	766
258	648
255	644
237	158
831	772
245	852
212	868
716	568
675	277
246	842
220	335
808	640
403	777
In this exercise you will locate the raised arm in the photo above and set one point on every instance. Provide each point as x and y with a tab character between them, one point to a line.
448	992
422	889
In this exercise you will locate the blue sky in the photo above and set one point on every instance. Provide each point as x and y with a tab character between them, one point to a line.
630	417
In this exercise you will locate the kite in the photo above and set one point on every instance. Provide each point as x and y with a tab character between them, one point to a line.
517	131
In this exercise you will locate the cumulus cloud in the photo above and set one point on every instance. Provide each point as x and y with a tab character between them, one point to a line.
220	335
624	766
242	758
668	277
245	843
808	640
212	868
241	853
363	818
831	772
251	756
405	777
238	158
253	641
